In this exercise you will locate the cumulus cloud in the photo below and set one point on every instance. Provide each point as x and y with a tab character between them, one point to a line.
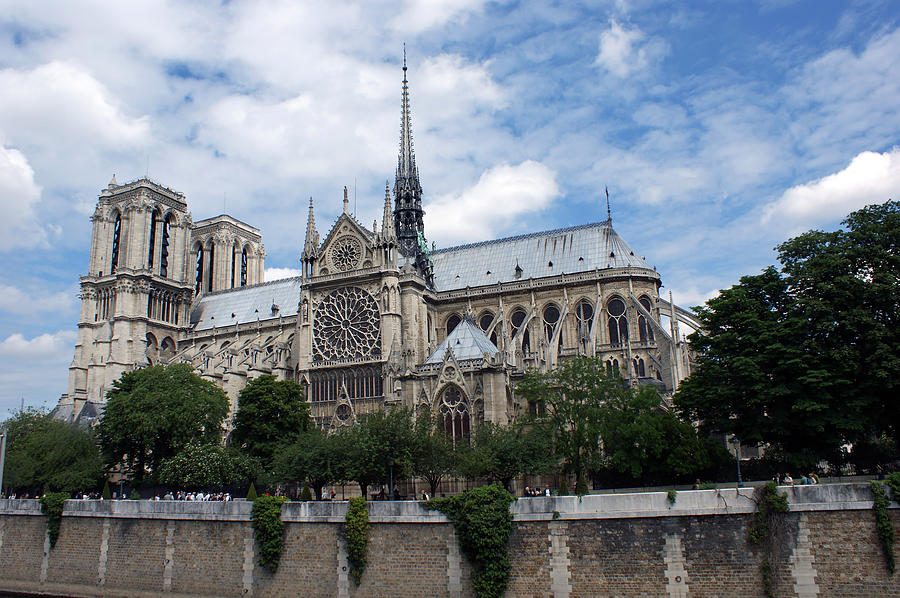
279	273
624	51
47	348
421	15
16	301
18	196
502	195
869	178
60	101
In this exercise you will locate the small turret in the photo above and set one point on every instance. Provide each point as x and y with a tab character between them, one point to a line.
311	245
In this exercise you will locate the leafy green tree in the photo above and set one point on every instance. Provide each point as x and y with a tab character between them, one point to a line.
645	441
153	413
204	465
367	449
314	458
434	456
568	401
503	453
49	453
270	412
805	359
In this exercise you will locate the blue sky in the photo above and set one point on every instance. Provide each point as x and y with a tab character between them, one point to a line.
721	128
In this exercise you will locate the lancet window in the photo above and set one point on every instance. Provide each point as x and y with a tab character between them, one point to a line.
117	230
612	368
105	305
454	413
485	321
364	382
618	322
639	370
452	322
644	329
164	253
210	278
516	320
154	220
584	314
244	267
199	280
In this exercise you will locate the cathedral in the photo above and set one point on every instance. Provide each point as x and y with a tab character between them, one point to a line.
376	317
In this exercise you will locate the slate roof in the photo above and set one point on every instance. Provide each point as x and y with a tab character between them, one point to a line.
547	253
246	304
467	341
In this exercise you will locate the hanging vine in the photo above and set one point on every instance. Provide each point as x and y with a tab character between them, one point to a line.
52	504
883	523
770	506
356	534
483	523
268	529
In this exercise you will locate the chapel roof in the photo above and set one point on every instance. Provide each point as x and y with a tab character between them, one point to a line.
466	341
247	304
535	255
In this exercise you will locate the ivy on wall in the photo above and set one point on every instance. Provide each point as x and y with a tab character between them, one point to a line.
356	534
483	523
883	522
268	529
770	505
52	504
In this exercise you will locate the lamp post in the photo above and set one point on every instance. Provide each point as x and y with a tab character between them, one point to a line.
737	457
391	480
2	458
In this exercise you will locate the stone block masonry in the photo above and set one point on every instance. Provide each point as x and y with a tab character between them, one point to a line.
602	545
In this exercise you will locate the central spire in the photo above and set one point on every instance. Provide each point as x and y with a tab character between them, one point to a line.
408	212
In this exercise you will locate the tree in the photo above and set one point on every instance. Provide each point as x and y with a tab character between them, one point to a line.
433	454
199	466
153	413
503	453
43	452
380	444
313	458
805	359
568	401
645	441
270	412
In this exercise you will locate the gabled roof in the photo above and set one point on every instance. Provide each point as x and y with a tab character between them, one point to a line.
548	253
246	304
467	341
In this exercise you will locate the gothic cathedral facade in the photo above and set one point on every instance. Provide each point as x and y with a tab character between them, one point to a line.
375	319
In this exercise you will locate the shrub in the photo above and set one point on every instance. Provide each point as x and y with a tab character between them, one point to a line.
135	495
106	494
52	504
356	534
670	496
893	482
268	529
305	494
483	523
251	492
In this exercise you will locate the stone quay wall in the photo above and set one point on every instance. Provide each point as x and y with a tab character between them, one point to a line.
600	545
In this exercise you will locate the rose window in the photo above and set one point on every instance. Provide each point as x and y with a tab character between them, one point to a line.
345	253
347	326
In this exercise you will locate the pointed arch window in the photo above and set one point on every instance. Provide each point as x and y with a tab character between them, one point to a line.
584	314
644	329
210	278
233	267
484	322
612	368
164	252
618	322
154	220
454	413
639	370
117	230
516	320
199	280
452	322
244	267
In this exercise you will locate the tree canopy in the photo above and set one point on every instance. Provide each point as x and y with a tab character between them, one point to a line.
199	466
805	359
46	453
270	412
153	413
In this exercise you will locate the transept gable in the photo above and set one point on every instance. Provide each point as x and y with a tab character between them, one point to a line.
348	246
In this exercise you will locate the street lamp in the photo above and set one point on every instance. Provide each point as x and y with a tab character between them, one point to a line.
2	458
391	481
737	457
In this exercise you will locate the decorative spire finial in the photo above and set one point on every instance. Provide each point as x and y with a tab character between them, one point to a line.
346	200
311	246
608	211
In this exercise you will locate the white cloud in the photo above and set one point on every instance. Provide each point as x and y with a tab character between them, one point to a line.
18	196
502	195
16	301
869	178
46	348
624	51
421	15
61	102
279	273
